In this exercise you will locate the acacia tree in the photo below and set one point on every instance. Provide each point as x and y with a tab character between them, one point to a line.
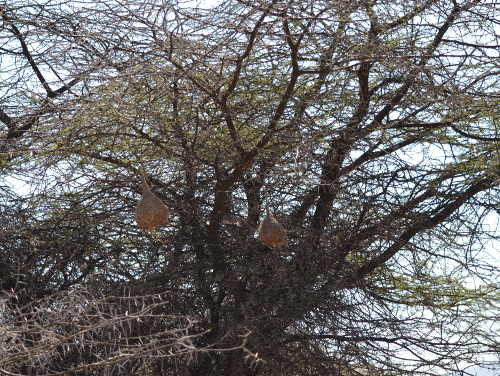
368	126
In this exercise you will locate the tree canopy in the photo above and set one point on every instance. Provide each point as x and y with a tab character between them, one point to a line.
370	128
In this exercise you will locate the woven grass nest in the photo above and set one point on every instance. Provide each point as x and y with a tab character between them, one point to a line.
150	211
271	232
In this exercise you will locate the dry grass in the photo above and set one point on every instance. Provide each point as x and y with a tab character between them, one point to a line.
75	331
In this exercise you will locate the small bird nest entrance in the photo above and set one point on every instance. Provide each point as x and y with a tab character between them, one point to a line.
150	211
271	232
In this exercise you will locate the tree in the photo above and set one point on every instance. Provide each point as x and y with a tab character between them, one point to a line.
369	127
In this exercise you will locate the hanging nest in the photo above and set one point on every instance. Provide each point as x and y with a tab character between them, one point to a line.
150	211
271	232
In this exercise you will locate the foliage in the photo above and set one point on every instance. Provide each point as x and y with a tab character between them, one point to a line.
369	127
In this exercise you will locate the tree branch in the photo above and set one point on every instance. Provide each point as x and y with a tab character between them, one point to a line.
474	137
234	82
422	223
27	54
401	92
445	124
6	119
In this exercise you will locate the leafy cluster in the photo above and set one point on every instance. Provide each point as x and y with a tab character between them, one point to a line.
369	127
